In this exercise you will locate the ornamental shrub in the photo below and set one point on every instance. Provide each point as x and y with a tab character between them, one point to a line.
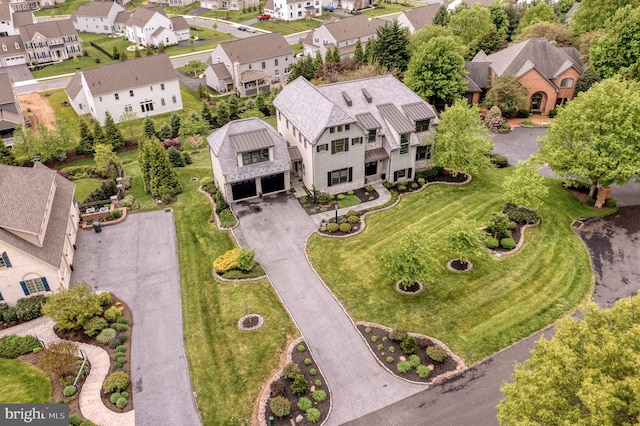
278	387
553	113
390	359
374	338
300	385
520	215
116	382
499	225
352	213
94	326
398	334
280	406
120	359
112	314
491	243
323	198
122	320
508	243
121	349
414	185
307	361
355	219
333	227
104	298
227	261
409	345
75	420
10	314
367	330
318	382
388	185
304	403
368	188
290	371
121	402
437	353
116	214
421	181
610	203
12	346
312	415
350	193
392	349
245	259
345	227
341	197
414	360
69	391
380	346
29	308
319	396
313	372
403	367
500	161
119	327
423	371
114	397
106	335
303	200
402	188
301	348
323	228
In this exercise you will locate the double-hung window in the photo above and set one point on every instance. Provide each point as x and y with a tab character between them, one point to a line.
339	145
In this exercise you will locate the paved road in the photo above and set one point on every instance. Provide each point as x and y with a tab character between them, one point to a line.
277	227
137	261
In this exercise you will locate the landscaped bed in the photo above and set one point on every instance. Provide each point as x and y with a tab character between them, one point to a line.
323	202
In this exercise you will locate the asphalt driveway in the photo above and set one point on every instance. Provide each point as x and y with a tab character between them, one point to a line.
137	260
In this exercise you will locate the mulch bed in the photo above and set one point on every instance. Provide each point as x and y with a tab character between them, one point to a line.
446	177
516	233
363	195
53	163
298	358
449	364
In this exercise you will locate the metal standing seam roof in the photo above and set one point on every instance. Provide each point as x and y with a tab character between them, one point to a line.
375	154
417	111
294	154
367	121
396	119
250	141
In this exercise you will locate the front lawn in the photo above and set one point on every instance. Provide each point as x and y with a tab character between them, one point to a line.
388	9
478	313
23	383
84	187
288	27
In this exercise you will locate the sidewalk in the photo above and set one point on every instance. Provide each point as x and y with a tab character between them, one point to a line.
90	401
384	196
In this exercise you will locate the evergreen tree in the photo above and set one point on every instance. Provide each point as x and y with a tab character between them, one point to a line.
144	162
176	157
358	54
86	139
148	51
98	134
165	132
328	56
112	133
149	128
161	48
391	46
206	113
260	101
223	114
441	17
368	51
233	106
6	156
115	55
305	68
123	55
159	178
317	61
175	124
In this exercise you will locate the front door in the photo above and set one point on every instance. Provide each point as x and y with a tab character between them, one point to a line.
371	169
536	101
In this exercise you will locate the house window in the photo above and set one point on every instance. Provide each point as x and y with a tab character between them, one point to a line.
131	93
332	129
277	72
100	98
264	64
339	128
146	106
128	108
402	174
117	96
337	177
173	98
372	135
347	127
162	101
275	62
566	83
4	260
422	125
161	86
404	143
423	152
339	145
80	106
257	156
34	285
355	141
323	147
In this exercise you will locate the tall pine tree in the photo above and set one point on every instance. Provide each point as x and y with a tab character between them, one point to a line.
149	128
358	53
86	139
98	134
175	124
112	133
391	49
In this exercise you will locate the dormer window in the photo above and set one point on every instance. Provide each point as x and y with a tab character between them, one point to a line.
257	156
422	125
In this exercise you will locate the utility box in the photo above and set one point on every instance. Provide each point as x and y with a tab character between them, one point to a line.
97	226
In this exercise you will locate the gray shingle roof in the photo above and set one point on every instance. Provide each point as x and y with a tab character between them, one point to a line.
129	74
420	17
142	15
9	43
221	71
220	142
50	29
96	8
479	73
257	48
353	27
179	23
26	197
22	18
6	90
122	17
74	86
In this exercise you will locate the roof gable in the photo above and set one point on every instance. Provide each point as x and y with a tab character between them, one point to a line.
353	27
256	48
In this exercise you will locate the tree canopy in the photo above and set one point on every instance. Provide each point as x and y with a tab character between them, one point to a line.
587	374
552	31
540	12
594	14
409	261
464	239
462	141
525	186
159	179
508	94
471	23
390	47
71	308
619	48
594	138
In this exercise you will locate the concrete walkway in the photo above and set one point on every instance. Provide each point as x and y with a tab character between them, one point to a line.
91	403
277	227
384	196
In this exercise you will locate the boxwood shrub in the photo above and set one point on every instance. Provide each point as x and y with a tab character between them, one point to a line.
333	227
491	243
29	308
508	243
356	219
345	227
12	346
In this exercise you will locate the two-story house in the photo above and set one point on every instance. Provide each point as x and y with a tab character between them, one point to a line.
152	27
249	65
12	51
341	33
38	227
10	111
172	3
96	17
351	5
293	10
416	19
355	132
228	4
11	19
51	41
146	86
249	159
549	73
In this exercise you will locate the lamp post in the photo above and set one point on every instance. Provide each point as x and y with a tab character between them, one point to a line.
336	214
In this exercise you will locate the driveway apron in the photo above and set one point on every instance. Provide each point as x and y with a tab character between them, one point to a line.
277	227
137	261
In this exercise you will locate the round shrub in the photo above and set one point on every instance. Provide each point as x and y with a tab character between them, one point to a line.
124	394
423	371
409	345
374	338
368	188
278	387
402	188
69	391
304	403
307	361
500	161
319	395
352	213
353	219
104	298
341	197
37	350
491	243
116	367
119	327
75	420
122	320
437	353
345	227
106	335
384	338
121	349
290	371
398	334
301	348
280	406
380	346
29	308
414	360
116	214
388	185
114	397
116	382
312	415
390	360
227	262
120	359
333	227
323	228
392	349
508	243
404	367
553	113
343	220
10	314
303	200
414	185
367	330
313	372
112	314
421	181
318	382
610	203
350	193
121	402
300	385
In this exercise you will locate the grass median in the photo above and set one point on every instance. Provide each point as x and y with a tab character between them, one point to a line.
23	383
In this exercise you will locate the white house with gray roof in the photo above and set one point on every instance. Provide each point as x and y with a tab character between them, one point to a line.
38	227
249	159
342	33
355	132
417	18
293	10
151	27
146	86
229	4
97	17
252	64
10	111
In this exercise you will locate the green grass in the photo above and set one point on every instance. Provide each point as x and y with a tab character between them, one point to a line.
478	313
288	27
85	186
387	9
23	383
62	8
348	201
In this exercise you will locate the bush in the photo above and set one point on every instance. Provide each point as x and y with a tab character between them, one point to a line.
520	215
313	372
10	314
116	382
390	359
414	185
414	360
312	415
94	326
75	420
333	227
367	330
508	243
319	396
423	371
388	185
106	335
380	346
318	382
116	366
303	200
29	308
300	385
493	112
409	345
116	214
227	219
128	201
304	403
500	161
301	348
12	346
307	361
121	402
120	359
499	225
431	173
553	113
245	259
374	338
403	367
610	203
280	406
69	391
345	227
290	371
323	198
590	201
114	397
437	353
104	298
495	124
522	113
392	349
352	213
121	349
122	320
398	334
227	261
37	349
421	181
278	387
491	243
112	314
402	188
368	188
341	197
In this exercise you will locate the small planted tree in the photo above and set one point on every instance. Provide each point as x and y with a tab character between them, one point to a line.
59	358
525	186
409	262
464	239
72	308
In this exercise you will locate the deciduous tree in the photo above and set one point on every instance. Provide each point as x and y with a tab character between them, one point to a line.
465	239
525	186
103	155
594	14
619	48
540	12
471	23
71	308
128	119
508	94
59	358
409	261
552	31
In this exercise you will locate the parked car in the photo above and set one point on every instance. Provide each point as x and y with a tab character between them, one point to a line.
264	17
242	28
250	29
328	8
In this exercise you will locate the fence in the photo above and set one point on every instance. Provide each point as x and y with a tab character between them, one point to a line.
97	46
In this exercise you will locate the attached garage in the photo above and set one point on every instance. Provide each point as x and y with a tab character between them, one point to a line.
273	183
244	189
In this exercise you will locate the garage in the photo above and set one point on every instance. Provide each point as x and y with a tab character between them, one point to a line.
273	183
244	189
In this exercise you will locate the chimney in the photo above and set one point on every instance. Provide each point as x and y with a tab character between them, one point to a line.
367	96
347	98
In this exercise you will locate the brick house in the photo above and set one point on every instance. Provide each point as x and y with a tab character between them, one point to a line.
548	72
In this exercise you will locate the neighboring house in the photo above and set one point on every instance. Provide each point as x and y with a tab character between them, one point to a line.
38	226
19	5
341	33
569	15
350	5
229	4
120	2
293	10
355	132
249	159
96	17
10	111
249	65
549	73
51	41
470	3
12	51
146	86
11	19
172	3
416	19
152	27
